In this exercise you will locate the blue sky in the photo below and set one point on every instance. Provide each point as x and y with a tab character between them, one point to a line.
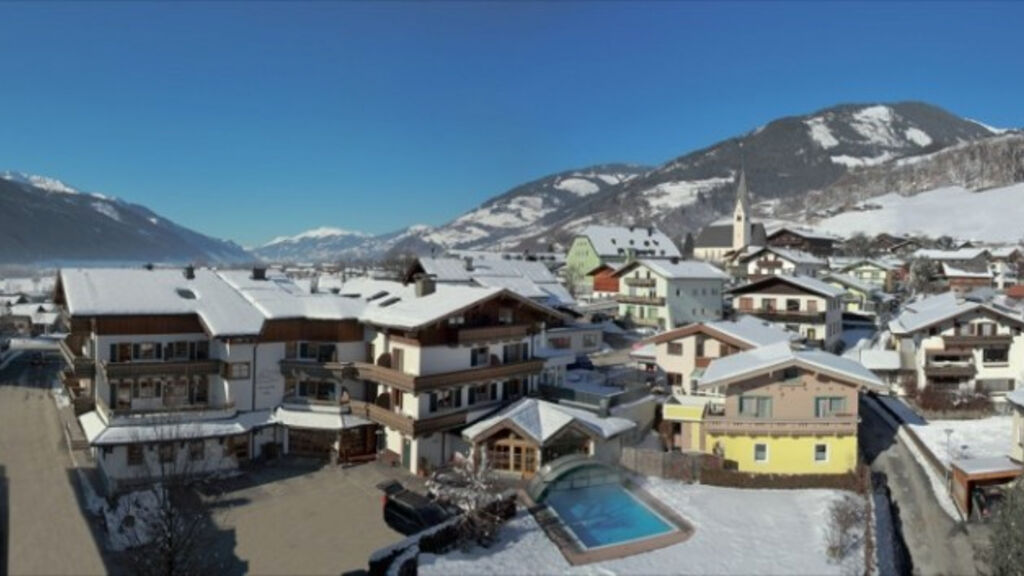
251	120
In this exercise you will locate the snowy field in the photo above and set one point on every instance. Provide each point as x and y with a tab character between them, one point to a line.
984	438
736	532
993	215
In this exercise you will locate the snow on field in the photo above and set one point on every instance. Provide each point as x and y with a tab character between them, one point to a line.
984	438
577	186
517	212
671	195
736	532
992	215
874	123
820	133
918	136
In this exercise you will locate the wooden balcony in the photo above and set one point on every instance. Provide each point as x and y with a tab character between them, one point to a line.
80	366
642	282
977	341
640	300
787	316
406	424
158	368
839	425
190	410
493	333
419	384
949	370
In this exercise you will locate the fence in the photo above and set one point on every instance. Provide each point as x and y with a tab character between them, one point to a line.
674	465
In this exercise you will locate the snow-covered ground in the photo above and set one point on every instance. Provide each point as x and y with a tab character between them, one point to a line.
736	532
983	438
992	215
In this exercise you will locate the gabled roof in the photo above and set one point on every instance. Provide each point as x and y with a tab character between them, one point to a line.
805	283
876	262
676	269
278	297
718	234
757	361
803	233
953	272
541	420
614	241
745	332
527	278
931	310
850	282
794	256
960	254
1005	251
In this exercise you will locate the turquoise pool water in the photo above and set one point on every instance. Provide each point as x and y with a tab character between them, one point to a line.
605	514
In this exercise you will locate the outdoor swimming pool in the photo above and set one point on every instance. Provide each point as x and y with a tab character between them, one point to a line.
605	514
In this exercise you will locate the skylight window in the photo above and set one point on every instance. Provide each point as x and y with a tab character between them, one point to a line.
186	293
377	296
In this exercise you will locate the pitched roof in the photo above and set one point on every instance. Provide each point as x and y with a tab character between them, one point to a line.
850	282
931	310
134	291
278	297
776	356
953	272
677	269
616	240
960	254
718	234
541	420
794	256
805	283
803	233
527	278
846	264
746	329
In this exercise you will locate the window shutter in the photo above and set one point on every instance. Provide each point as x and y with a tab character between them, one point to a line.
458	397
433	402
494	390
158	352
113	353
135	350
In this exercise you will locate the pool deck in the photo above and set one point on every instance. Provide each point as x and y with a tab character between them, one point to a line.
576	554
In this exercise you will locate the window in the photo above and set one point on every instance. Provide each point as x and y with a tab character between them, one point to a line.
700	346
792	305
513	389
480	356
821	452
515	353
812	334
675	348
196	450
768	304
812	305
760	452
827	407
443	399
134	455
166	451
790	373
995	355
483	393
458	320
674	378
756	406
398	359
146	389
506	316
237	370
590	340
559	342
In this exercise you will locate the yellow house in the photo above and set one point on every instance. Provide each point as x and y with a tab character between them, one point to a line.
784	411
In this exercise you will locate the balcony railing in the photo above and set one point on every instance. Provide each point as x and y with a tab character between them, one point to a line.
950	370
489	333
643	282
81	366
158	368
406	424
655	322
781	315
641	300
976	340
167	409
781	427
424	383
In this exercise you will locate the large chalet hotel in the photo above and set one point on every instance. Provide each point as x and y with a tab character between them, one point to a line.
205	369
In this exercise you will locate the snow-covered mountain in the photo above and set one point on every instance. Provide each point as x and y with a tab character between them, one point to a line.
43	220
335	244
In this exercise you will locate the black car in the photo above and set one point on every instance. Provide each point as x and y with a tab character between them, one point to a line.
408	512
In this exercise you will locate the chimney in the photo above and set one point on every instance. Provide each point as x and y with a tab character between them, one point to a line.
259	273
425	285
468	263
650	230
190	272
675	259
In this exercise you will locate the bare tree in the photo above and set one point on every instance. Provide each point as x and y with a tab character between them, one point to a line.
858	245
923	273
469	486
1006	540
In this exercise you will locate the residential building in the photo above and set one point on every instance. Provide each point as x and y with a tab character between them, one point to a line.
1005	264
756	262
861	297
684	353
529	278
597	245
721	239
785	411
961	281
530	433
962	345
1016	401
802	240
604	282
886	275
669	293
211	369
805	305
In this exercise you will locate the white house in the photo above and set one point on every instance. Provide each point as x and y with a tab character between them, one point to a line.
669	293
805	305
756	262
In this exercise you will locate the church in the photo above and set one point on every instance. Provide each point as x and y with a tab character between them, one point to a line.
721	239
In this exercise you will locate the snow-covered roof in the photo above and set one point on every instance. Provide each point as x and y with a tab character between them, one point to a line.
279	297
845	264
317	419
677	269
880	359
530	279
780	355
953	272
98	433
1016	397
747	329
802	232
134	291
794	256
930	310
850	282
1002	252
38	286
941	255
800	281
990	465
540	420
616	240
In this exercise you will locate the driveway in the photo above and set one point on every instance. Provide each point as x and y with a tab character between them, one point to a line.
48	533
937	544
294	519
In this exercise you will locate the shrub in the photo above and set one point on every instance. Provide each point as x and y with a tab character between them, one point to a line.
845	526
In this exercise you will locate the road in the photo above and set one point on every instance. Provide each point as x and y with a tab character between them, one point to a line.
48	532
937	545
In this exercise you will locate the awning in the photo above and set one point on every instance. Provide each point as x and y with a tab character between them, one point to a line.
315	420
100	434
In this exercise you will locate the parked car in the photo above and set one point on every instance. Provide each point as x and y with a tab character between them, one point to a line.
986	501
408	512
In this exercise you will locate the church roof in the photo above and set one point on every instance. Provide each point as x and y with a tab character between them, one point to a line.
720	236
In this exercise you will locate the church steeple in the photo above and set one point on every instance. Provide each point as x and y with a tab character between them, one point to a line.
742	229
